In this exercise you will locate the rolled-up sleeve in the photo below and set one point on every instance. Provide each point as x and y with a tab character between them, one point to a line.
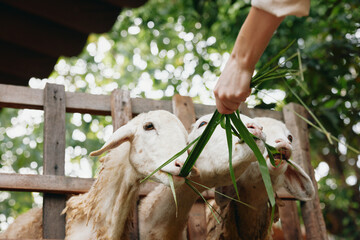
282	8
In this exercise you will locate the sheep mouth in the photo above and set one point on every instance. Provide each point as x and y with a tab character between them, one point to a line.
241	141
279	157
176	178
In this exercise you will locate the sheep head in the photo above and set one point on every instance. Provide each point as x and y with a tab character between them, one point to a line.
154	138
213	163
292	177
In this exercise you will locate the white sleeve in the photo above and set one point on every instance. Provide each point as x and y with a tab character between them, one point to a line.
282	8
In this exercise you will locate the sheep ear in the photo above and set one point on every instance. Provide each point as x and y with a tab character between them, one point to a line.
123	134
298	183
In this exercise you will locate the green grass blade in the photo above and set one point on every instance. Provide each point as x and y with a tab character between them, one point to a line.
272	60
271	157
300	66
203	140
207	203
332	137
229	143
290	163
172	187
327	134
170	160
262	163
220	193
272	219
260	75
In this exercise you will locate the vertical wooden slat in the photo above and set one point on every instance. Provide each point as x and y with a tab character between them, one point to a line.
120	108
311	211
54	158
243	108
290	221
121	113
183	108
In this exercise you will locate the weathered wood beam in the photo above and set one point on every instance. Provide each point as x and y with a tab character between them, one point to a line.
310	210
44	183
121	111
183	108
54	155
25	97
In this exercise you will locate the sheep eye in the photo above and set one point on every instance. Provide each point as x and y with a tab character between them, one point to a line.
202	124
149	126
290	138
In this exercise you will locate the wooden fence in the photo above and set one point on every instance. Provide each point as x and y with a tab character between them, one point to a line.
56	102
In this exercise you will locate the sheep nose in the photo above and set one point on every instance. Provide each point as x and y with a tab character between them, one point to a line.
256	130
283	147
179	164
174	168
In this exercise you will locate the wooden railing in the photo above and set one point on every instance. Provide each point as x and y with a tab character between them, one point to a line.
56	102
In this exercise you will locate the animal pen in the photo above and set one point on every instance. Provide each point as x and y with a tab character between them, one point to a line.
56	186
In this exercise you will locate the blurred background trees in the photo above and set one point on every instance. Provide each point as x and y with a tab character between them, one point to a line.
168	47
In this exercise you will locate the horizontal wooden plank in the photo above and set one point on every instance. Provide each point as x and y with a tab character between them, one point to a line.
256	112
60	184
21	97
25	97
44	183
73	185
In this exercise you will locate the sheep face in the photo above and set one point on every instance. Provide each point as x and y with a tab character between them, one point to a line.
154	138
292	178
213	163
278	136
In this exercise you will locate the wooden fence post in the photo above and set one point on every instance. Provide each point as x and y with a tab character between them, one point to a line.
121	113
120	108
54	158
311	211
183	108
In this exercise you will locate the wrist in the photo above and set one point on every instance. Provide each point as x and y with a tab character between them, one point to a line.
244	62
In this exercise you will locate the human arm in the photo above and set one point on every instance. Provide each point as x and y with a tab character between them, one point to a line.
233	86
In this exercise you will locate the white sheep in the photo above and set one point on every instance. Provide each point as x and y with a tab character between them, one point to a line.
157	212
135	150
241	222
26	226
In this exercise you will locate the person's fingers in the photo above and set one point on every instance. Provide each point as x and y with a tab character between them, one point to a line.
223	109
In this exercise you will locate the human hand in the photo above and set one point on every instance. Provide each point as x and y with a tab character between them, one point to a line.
233	86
